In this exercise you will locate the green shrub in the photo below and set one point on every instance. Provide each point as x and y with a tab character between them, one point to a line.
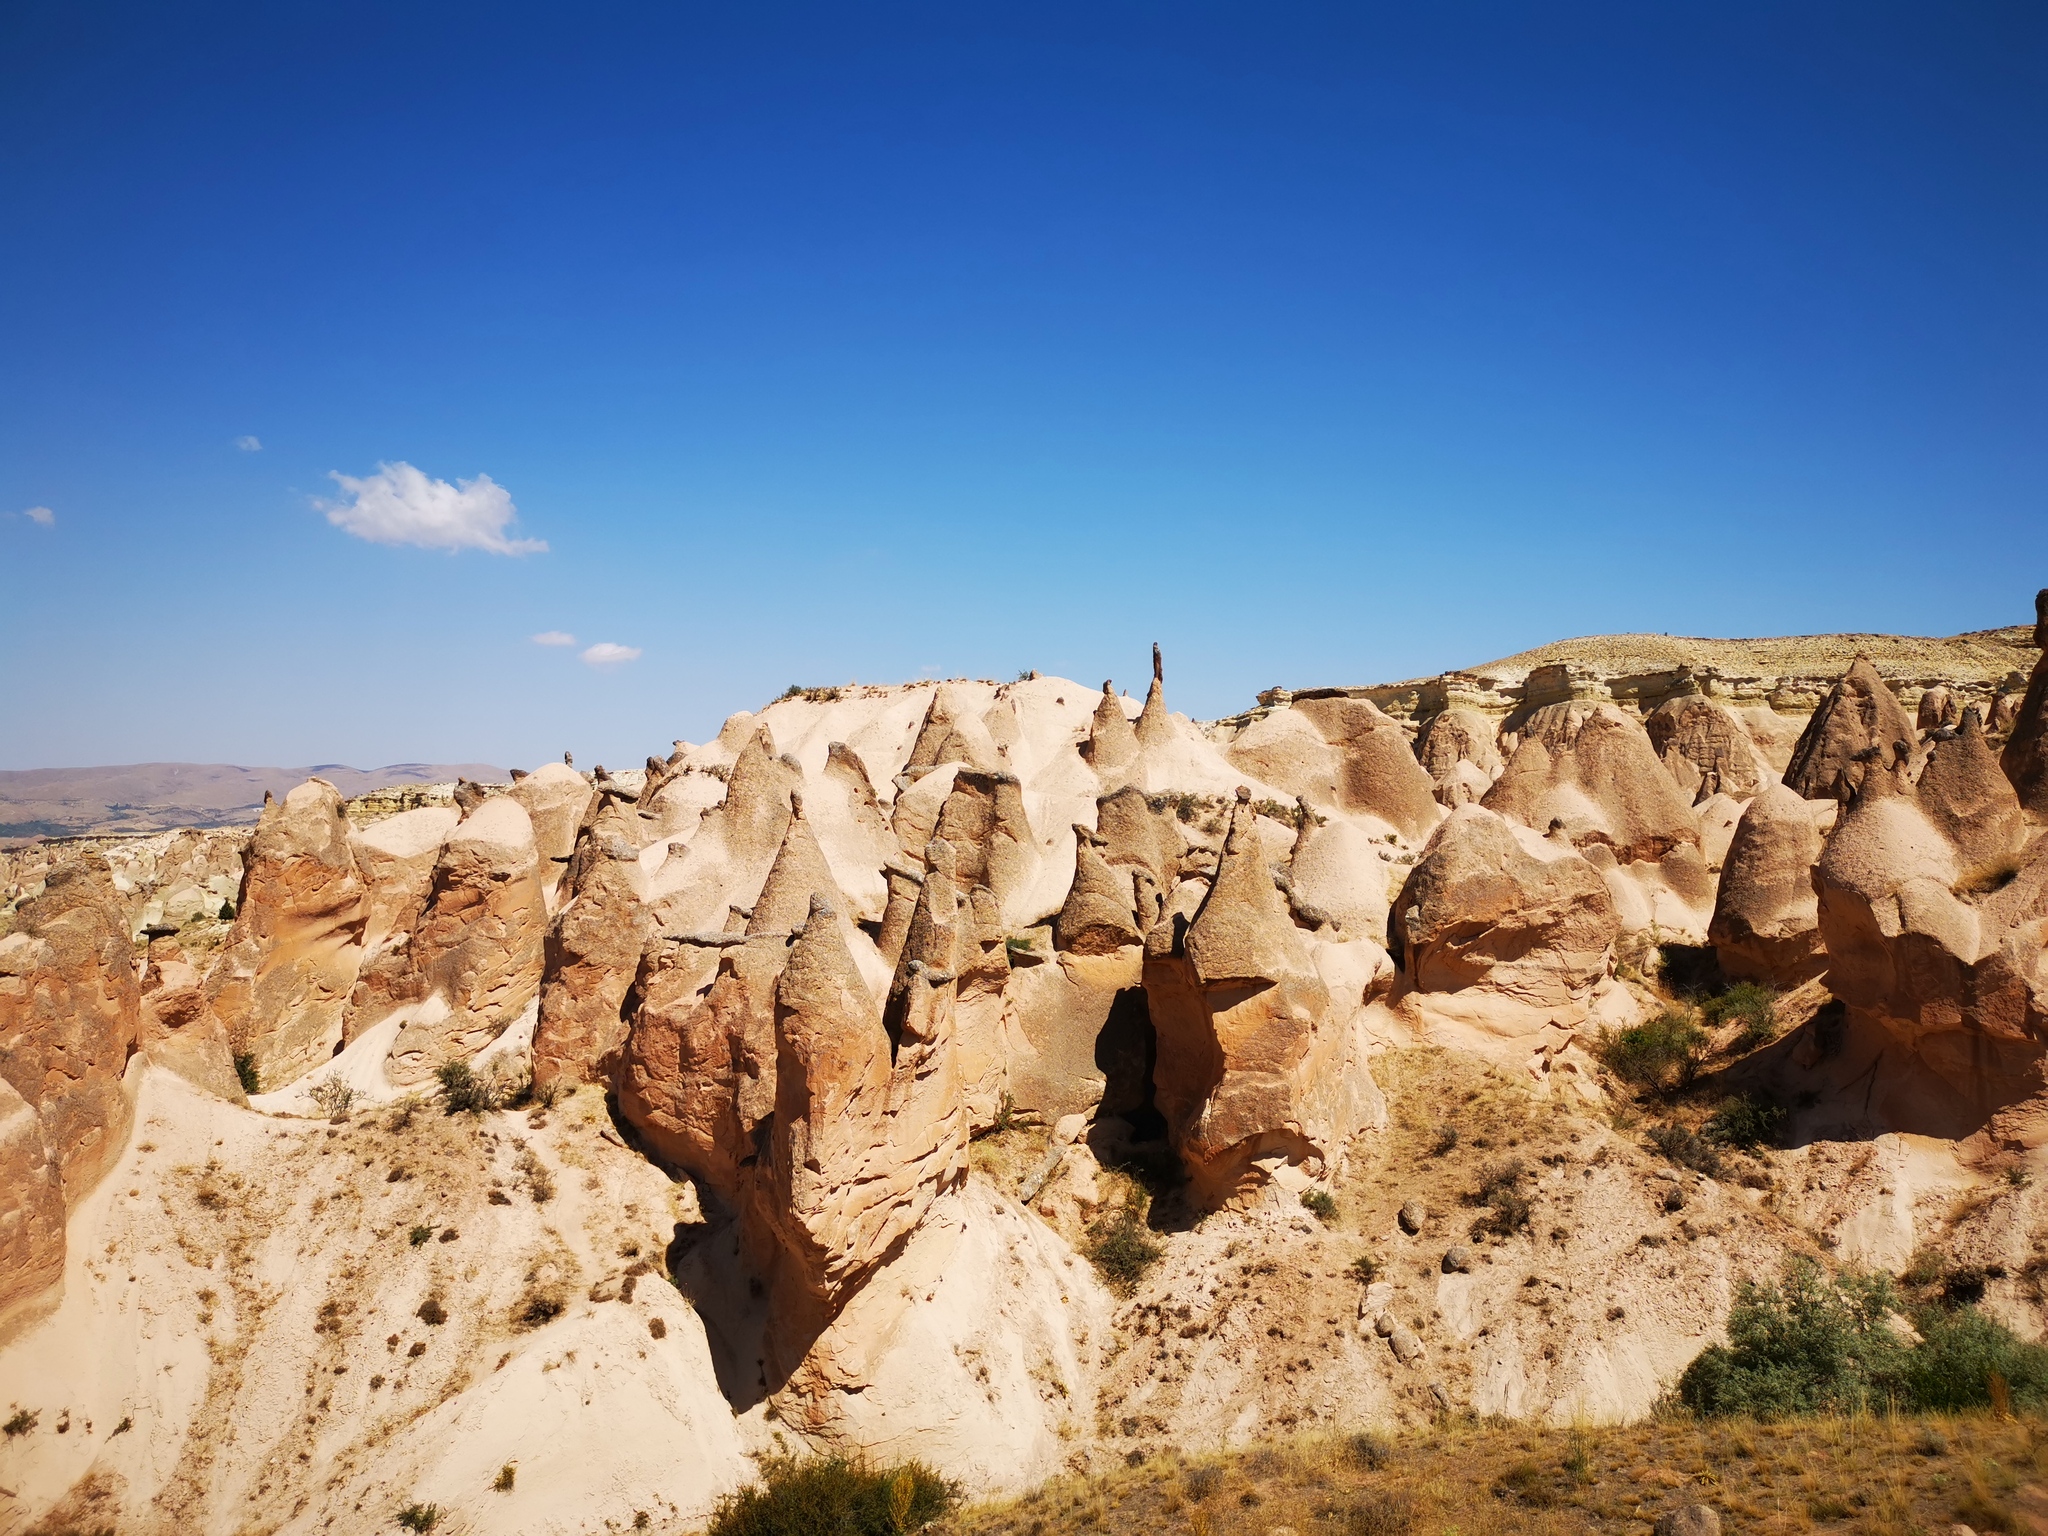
1120	1248
22	1422
1747	1122
508	1474
1960	1351
1663	1053
420	1235
1750	1004
1809	1344
245	1069
835	1496
464	1090
1321	1204
420	1517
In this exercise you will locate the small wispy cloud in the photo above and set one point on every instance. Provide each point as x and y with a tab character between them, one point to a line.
249	443
554	637
43	517
605	654
403	505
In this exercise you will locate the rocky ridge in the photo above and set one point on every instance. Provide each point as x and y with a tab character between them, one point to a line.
879	1011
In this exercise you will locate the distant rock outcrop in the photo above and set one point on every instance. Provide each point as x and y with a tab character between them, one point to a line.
2025	758
1860	722
1705	747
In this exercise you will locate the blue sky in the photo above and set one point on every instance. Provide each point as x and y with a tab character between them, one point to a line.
1322	344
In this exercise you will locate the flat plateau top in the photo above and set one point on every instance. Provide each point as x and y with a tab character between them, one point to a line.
1983	656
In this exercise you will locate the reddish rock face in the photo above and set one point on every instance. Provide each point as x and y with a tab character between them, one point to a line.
476	954
592	952
1860	721
69	1006
283	983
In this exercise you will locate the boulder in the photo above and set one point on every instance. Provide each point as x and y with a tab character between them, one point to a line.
1705	748
1766	923
1860	720
283	984
1936	710
1689	1520
1491	905
2025	758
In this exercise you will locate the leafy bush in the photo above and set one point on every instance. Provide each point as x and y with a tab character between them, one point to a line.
835	1496
1120	1248
464	1090
1747	1122
1685	1149
1809	1344
1365	1269
1321	1204
1959	1354
1750	1004
1662	1054
420	1517
420	1235
245	1069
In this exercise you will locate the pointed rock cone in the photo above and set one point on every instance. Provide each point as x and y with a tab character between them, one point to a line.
1766	923
904	885
1112	744
1860	712
798	874
1155	726
1129	831
1969	799
1097	917
1242	931
2025	759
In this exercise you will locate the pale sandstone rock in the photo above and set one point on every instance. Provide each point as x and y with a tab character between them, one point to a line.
282	986
1861	717
1341	754
1948	958
1255	1061
1099	917
557	799
479	944
179	1030
1766	923
1489	905
395	860
1337	869
1112	743
1456	748
1705	747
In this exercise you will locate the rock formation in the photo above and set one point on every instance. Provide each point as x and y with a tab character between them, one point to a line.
2025	758
1492	905
1766	923
1251	1045
1457	750
1705	747
293	956
1860	721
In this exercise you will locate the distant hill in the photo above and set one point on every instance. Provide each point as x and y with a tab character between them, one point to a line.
153	797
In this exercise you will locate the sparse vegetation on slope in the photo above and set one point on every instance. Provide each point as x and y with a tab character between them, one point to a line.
835	1496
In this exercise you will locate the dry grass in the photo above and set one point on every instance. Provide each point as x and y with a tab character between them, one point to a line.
1885	1476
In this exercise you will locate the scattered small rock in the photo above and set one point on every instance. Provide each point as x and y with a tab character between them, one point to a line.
1690	1520
1406	1346
1412	1217
1457	1260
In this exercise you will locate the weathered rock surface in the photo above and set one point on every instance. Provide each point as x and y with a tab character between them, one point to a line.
1766	917
1859	722
1705	748
1341	754
283	985
590	958
2025	758
1491	905
1456	748
556	799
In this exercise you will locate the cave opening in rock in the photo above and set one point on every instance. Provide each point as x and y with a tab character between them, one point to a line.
1126	1050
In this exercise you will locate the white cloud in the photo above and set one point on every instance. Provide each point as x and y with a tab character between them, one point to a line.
400	505
249	444
42	517
554	637
605	654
